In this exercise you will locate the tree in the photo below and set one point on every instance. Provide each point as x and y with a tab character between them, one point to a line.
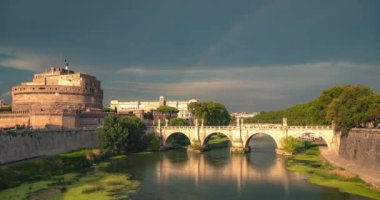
212	112
106	109
148	116
350	109
168	110
179	122
349	106
373	112
151	142
6	109
120	134
294	145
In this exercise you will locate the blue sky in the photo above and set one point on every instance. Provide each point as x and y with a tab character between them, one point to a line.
250	55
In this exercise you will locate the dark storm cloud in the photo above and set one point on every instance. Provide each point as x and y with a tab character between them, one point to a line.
260	52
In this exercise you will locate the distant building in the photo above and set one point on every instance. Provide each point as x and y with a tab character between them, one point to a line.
139	108
57	98
244	114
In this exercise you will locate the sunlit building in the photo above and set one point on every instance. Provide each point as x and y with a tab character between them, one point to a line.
140	107
56	98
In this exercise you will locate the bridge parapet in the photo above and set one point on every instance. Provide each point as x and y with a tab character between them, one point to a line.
220	127
179	127
265	127
310	127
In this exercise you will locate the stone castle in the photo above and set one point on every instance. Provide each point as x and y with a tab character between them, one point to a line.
57	98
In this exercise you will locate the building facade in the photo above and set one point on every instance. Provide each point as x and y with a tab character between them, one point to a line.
57	98
140	107
244	114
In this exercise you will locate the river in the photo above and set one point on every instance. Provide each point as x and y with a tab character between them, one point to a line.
178	174
217	174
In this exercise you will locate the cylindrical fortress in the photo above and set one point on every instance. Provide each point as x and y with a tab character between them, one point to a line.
57	90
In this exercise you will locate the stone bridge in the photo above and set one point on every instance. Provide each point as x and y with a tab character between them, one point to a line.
241	134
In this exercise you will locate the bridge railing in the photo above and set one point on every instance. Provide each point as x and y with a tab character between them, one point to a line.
220	127
310	127
273	126
250	126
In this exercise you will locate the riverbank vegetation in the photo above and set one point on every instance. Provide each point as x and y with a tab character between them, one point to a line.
74	175
310	165
121	134
80	174
218	141
348	106
294	145
30	171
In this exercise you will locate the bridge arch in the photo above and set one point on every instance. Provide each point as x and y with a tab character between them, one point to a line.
314	133
208	136
248	139
169	136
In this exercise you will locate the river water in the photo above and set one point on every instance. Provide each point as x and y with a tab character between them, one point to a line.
217	174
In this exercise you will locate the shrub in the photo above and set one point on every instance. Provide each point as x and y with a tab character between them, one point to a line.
294	145
120	134
151	142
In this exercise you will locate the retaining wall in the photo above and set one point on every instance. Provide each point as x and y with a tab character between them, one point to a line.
20	145
362	146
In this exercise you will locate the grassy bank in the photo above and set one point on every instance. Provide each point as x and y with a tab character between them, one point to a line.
317	171
45	168
218	142
73	175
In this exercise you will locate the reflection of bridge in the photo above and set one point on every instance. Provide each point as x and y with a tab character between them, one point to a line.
239	170
240	134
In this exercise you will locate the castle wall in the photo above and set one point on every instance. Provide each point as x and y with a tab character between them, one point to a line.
57	97
34	143
11	119
41	120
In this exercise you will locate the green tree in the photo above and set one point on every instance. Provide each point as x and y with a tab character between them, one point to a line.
294	145
106	109
120	134
373	112
349	106
167	110
6	109
151	142
350	109
148	115
212	112
179	122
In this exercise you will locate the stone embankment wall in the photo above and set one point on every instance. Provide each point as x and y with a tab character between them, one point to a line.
362	146
20	145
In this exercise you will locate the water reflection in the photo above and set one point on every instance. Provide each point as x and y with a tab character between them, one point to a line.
219	165
217	174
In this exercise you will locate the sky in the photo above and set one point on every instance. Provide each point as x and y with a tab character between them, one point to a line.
254	55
